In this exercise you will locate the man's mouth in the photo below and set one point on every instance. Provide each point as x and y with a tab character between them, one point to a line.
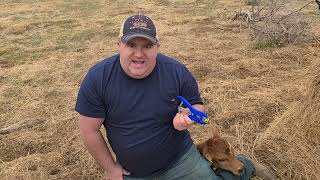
138	62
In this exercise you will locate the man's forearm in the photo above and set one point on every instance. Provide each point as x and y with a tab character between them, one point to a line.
98	148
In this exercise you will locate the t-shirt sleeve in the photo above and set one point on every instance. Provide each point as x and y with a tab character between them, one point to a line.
190	89
90	102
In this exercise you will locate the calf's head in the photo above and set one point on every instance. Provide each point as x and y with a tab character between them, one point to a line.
219	152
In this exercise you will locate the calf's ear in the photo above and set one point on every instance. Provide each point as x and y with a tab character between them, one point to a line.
208	156
215	133
200	147
204	151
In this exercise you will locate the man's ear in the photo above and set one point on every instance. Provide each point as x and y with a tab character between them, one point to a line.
118	43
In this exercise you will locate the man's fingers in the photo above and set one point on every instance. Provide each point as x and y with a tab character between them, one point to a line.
187	120
182	121
178	122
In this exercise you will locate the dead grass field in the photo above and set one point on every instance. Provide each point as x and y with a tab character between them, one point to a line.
47	47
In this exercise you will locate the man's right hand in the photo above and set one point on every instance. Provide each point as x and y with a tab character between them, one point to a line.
97	147
116	173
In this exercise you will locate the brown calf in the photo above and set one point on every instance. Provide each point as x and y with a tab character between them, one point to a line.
219	152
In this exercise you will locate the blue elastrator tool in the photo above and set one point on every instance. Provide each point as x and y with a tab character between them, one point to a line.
195	115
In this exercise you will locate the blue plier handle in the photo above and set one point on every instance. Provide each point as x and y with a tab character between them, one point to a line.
195	115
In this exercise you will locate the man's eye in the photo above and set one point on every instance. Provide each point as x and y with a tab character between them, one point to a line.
221	160
130	45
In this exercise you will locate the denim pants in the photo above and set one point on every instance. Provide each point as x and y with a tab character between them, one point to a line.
192	166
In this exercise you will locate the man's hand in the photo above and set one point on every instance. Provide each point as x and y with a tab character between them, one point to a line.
181	121
116	173
97	147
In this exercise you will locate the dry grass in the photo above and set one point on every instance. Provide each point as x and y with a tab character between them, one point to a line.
47	47
293	139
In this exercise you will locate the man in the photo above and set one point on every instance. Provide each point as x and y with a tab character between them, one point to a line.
133	94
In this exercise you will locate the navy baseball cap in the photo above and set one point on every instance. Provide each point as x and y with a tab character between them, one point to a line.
138	26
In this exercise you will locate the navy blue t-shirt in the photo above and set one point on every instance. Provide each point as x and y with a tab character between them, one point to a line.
138	113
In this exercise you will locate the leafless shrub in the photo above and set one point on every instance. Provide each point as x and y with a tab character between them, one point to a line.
251	2
277	32
272	25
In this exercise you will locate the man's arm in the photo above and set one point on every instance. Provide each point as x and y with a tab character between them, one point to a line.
97	147
181	121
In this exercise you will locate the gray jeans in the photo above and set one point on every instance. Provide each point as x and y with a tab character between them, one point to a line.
192	166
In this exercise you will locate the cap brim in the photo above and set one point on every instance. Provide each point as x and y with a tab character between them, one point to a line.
127	38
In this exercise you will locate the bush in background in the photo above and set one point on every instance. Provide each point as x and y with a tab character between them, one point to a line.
275	23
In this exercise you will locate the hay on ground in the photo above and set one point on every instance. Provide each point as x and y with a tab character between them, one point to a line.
291	146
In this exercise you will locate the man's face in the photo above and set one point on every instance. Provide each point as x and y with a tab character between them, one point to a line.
138	57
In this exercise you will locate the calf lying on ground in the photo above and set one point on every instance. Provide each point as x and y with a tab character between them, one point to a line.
220	153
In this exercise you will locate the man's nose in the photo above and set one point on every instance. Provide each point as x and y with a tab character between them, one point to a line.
138	52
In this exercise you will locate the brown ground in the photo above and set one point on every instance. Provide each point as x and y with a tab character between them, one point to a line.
47	47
